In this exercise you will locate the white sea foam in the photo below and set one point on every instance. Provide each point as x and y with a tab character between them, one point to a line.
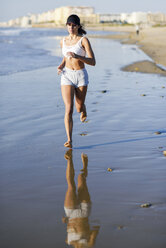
29	47
12	31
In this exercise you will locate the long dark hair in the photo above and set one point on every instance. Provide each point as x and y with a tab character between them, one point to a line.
81	30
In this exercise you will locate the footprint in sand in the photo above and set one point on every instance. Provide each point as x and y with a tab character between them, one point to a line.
106	77
108	72
84	134
143	94
98	96
158	132
146	205
94	110
121	227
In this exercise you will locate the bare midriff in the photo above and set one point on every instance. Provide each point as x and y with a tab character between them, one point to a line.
74	64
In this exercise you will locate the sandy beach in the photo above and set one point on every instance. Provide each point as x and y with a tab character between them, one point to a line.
151	40
123	140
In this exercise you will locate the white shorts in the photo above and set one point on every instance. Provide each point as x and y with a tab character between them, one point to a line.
82	211
75	78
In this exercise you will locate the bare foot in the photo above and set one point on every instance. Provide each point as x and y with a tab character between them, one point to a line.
83	115
68	144
85	164
68	154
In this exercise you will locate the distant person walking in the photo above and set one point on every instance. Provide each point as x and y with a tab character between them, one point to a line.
77	51
137	29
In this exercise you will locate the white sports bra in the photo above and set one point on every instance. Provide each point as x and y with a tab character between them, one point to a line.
76	48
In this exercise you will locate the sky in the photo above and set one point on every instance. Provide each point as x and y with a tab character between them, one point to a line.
11	9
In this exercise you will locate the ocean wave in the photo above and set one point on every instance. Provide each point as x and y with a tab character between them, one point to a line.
24	49
27	49
12	31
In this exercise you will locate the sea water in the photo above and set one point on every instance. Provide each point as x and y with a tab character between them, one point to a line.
26	49
120	134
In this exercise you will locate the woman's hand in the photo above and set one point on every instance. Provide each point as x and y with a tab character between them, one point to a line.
71	55
59	69
61	66
89	59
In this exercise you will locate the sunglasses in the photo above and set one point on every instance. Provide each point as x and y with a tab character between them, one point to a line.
72	25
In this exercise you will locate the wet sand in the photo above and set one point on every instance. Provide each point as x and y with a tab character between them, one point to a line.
145	67
151	40
125	110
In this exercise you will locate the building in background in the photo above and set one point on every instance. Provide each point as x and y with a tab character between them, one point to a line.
87	15
110	18
156	18
134	17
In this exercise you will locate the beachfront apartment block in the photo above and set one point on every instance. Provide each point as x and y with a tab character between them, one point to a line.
109	18
57	16
156	18
130	18
134	17
87	15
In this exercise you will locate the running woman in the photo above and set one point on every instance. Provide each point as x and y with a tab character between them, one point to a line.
77	52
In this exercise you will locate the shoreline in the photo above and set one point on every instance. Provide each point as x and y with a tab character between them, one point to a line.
123	138
150	40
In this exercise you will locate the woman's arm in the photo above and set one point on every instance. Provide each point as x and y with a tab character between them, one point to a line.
62	65
90	59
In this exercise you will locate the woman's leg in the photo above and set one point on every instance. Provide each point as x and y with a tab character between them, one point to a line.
83	193
68	97
71	197
80	95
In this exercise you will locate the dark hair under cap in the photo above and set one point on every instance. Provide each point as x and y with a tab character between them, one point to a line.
73	19
76	20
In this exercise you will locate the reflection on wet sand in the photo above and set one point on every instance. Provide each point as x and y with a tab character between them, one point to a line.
77	206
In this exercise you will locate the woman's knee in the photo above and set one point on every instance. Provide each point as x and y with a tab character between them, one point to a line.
81	178
69	110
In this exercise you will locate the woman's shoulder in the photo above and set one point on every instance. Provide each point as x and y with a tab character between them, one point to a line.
62	40
85	39
65	38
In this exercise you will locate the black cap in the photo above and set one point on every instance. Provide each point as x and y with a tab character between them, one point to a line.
73	19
